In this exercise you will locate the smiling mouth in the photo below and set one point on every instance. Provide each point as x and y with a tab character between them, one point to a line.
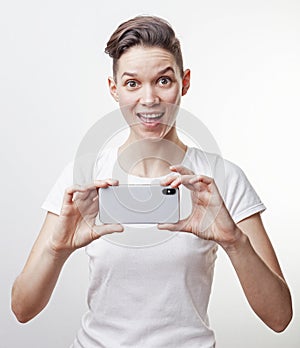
150	117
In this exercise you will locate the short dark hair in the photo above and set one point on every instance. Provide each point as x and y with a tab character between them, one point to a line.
148	31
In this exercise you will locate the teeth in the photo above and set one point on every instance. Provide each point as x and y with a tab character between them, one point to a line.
150	116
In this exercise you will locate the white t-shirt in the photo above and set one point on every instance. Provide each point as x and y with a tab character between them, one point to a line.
155	294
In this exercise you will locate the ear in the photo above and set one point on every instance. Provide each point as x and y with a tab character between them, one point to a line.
113	88
186	81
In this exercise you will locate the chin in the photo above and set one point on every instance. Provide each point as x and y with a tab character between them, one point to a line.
155	135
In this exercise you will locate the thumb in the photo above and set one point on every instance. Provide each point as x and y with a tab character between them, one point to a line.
178	226
101	230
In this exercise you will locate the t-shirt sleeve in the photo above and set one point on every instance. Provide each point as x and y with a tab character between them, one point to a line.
80	171
239	195
53	202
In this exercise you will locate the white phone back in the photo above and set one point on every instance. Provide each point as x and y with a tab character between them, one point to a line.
139	204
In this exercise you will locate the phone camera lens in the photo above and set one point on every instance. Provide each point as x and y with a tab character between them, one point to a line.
169	191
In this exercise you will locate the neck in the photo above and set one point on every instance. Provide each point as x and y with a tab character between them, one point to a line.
151	157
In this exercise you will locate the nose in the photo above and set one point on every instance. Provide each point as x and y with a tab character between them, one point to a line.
148	96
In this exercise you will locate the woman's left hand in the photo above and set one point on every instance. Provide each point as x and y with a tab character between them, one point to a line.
209	218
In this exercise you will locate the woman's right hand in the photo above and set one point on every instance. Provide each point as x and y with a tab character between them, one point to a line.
59	237
75	226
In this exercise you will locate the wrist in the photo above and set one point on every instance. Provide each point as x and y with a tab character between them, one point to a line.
57	252
237	243
58	245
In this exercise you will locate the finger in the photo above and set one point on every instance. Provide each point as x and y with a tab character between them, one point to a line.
87	195
184	180
179	226
169	179
201	178
169	227
178	181
179	168
95	198
70	191
75	188
174	179
104	229
198	186
105	183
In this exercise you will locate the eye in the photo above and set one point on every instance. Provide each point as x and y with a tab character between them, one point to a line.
163	81
131	84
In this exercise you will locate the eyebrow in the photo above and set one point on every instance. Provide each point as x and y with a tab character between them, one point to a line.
161	72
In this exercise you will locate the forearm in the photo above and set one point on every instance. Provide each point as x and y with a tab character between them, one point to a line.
266	292
33	287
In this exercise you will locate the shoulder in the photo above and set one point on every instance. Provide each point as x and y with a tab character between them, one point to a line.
53	201
212	164
106	161
107	152
66	176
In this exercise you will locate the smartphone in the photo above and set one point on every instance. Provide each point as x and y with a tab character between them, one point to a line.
139	204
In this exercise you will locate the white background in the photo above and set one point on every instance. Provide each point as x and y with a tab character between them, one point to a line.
244	57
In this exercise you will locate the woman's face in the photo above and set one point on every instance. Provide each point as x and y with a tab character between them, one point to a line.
148	87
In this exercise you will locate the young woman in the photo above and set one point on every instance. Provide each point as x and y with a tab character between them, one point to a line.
157	295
